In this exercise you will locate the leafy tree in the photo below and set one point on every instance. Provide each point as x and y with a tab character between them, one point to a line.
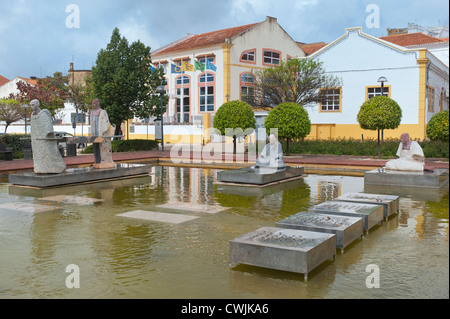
11	111
437	128
50	92
296	80
291	120
123	80
236	119
379	113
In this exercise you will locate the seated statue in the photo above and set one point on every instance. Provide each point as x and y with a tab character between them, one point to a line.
410	155
271	155
47	158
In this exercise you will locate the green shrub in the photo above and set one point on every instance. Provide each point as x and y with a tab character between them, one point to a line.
127	146
14	141
350	146
437	128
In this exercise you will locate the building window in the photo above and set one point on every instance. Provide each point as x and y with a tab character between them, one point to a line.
430	97
248	88
330	100
183	80
271	57
206	89
249	56
203	60
183	98
373	91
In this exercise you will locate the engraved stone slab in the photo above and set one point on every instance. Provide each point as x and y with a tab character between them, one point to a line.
390	202
27	207
346	229
158	217
291	250
202	208
424	179
372	214
70	199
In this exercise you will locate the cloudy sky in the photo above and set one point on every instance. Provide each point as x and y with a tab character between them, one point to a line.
40	37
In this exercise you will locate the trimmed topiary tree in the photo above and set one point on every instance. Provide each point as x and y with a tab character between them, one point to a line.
235	119
379	113
291	120
437	128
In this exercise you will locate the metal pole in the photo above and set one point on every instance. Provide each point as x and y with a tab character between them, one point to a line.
162	131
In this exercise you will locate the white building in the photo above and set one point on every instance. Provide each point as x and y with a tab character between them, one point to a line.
416	80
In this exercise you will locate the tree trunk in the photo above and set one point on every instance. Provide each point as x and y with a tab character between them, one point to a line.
287	145
379	146
234	144
117	131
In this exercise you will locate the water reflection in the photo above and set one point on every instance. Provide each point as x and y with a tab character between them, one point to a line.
142	259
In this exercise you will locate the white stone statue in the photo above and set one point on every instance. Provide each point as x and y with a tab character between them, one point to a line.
411	157
46	156
100	126
271	155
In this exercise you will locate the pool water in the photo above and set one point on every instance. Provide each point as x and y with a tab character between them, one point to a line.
121	257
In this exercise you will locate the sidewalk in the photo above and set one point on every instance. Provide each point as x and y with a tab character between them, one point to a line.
311	161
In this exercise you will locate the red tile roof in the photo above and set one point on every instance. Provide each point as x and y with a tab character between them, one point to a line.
310	48
409	39
3	80
206	39
31	81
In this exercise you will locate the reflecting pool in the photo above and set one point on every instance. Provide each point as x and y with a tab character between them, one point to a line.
42	232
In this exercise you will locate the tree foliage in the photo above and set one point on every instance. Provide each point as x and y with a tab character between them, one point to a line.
379	113
437	128
123	80
291	120
235	119
295	80
50	92
11	111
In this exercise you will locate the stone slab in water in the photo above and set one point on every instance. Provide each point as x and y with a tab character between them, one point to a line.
372	214
291	250
78	175
347	229
71	199
194	207
390	202
425	179
260	177
158	217
28	207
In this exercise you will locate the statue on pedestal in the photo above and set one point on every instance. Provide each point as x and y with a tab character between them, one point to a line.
46	155
411	157
100	127
271	155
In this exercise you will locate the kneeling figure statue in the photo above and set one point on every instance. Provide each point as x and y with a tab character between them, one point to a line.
411	157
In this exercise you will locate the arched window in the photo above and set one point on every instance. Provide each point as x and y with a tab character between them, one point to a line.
248	56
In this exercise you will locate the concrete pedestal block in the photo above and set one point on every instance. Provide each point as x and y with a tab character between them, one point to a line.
283	249
372	214
386	177
390	202
346	229
261	176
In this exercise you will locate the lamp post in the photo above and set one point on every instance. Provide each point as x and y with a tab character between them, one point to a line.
26	111
382	79
161	89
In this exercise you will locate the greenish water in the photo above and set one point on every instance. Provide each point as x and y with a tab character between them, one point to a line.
128	258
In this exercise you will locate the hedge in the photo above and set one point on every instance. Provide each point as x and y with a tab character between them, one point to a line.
127	146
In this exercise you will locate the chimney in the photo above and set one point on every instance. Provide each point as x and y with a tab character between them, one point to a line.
271	19
71	66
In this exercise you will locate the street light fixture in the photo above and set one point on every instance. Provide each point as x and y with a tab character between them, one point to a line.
161	90
382	79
